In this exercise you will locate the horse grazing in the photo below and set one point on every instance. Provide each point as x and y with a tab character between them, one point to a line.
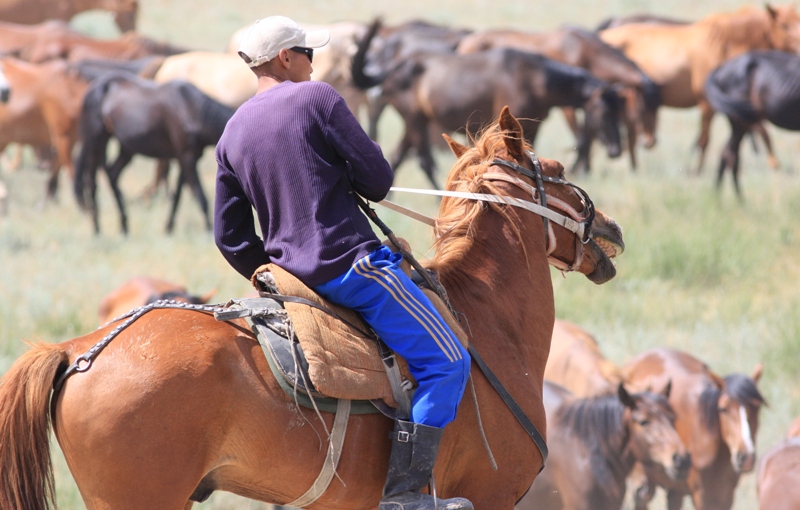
36	11
172	120
679	58
779	472
576	363
179	405
751	88
595	443
717	419
579	47
141	291
43	111
463	92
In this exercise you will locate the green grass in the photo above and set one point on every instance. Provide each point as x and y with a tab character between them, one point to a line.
701	272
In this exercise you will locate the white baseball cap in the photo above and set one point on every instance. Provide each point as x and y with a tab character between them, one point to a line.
267	37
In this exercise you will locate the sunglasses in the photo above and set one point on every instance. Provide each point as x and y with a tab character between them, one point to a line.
309	52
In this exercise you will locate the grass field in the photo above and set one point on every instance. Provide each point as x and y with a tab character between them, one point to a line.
701	272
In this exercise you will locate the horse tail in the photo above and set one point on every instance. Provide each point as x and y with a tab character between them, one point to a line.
360	78
728	88
25	465
90	129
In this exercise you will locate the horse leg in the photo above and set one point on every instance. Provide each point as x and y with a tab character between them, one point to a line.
189	175
426	155
584	148
572	119
113	173
630	127
375	105
772	160
707	113
176	198
401	151
675	500
159	179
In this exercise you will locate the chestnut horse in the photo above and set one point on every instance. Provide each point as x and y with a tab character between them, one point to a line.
779	473
142	291
595	442
576	363
180	405
679	58
37	11
74	47
717	419
579	47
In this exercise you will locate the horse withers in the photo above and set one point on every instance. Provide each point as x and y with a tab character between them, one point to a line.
179	405
749	89
170	120
716	418
596	441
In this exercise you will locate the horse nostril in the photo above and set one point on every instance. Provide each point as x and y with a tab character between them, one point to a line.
682	462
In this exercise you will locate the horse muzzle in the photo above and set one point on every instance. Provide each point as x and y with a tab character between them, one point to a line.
744	462
681	465
5	94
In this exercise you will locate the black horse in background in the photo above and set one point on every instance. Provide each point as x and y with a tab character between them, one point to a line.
172	120
466	92
756	86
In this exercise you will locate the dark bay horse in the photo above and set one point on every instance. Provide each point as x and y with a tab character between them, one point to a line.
717	419
581	48
464	92
595	443
779	473
751	88
679	58
180	405
171	120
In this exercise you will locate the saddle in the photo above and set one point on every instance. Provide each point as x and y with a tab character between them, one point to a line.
320	351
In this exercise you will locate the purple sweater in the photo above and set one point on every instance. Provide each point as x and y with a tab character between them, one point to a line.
296	152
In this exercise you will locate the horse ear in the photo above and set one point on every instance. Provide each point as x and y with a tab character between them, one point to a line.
625	397
513	133
773	13
456	147
757	372
667	390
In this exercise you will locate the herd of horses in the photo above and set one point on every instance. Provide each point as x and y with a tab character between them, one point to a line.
180	405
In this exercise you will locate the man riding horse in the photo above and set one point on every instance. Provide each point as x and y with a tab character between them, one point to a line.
296	154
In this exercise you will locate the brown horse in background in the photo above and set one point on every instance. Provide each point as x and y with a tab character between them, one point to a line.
180	405
141	291
16	38
679	58
581	48
779	473
576	363
618	21
717	419
595	442
36	11
43	111
74	47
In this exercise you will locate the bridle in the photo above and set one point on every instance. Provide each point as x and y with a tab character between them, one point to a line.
561	213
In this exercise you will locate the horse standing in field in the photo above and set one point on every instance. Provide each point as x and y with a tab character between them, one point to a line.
779	474
43	111
717	419
595	443
179	405
751	88
36	11
463	92
679	58
141	291
576	363
172	120
579	47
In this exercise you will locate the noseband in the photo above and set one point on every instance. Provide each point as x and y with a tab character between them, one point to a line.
583	219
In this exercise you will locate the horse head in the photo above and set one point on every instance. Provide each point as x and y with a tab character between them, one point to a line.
650	422
603	110
784	29
738	406
580	238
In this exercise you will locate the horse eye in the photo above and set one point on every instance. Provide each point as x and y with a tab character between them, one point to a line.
644	423
722	409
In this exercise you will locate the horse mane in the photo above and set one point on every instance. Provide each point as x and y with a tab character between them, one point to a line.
458	218
709	412
597	423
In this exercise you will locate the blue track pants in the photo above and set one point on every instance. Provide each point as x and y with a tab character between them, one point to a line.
407	321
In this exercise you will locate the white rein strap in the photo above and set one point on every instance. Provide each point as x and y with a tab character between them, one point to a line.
570	224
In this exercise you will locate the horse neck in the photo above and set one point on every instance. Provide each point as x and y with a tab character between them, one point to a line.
214	117
611	65
512	310
740	32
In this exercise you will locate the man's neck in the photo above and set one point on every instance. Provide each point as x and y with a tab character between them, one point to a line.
266	82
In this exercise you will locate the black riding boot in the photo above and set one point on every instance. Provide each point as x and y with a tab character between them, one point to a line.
414	449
